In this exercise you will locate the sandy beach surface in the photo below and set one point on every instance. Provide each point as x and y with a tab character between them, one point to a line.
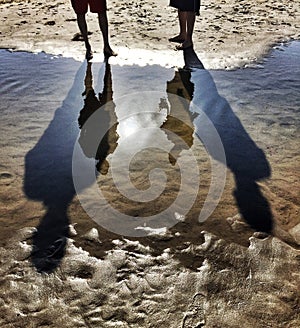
63	267
229	33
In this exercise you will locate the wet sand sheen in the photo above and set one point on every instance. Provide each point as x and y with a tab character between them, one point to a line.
40	103
40	124
210	274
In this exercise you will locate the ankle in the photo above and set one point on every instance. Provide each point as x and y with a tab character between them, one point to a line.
188	41
88	46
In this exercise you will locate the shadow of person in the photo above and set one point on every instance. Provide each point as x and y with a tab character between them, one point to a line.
48	178
247	162
48	170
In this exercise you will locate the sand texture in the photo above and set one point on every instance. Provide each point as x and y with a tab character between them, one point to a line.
230	287
216	274
59	267
228	33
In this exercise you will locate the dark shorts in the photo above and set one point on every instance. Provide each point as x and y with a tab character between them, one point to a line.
186	5
81	6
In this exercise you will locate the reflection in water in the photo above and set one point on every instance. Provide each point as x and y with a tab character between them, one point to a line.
140	192
146	121
108	143
247	162
48	168
179	120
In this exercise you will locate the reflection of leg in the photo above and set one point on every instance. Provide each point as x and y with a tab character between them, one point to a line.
103	24
107	93
84	31
109	141
88	80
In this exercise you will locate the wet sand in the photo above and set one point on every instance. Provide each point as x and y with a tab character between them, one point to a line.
123	280
27	120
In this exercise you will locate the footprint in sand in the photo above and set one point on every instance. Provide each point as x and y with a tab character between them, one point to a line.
195	316
6	178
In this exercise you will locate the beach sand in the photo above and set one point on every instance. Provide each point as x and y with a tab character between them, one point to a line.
219	273
228	33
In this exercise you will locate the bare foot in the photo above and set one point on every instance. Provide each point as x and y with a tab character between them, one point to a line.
185	45
108	52
178	39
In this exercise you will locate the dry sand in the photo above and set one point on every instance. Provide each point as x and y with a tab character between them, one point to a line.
228	33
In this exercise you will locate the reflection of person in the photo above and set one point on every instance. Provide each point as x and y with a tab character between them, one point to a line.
179	120
187	11
89	131
96	6
244	158
48	174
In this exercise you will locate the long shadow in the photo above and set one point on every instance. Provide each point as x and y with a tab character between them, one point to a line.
48	173
244	158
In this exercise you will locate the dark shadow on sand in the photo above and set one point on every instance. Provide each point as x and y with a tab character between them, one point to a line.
244	158
48	168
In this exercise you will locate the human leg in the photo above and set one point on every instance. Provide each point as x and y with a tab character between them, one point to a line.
103	24
80	7
182	17
84	31
190	22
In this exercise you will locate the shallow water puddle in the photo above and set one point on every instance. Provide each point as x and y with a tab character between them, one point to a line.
155	124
